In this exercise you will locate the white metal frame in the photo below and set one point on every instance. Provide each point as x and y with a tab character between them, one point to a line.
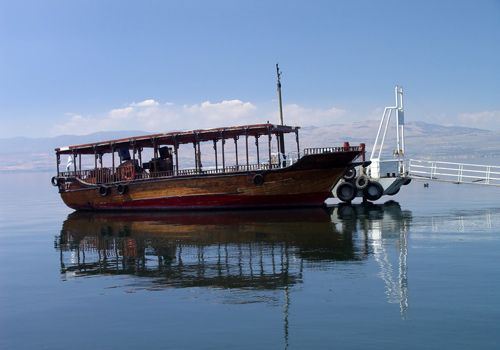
455	172
398	111
388	111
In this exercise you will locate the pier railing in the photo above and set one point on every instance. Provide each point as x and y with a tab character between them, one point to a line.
455	172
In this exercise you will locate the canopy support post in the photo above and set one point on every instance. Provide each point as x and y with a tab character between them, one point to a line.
58	161
113	161
176	148
257	145
200	166
155	149
103	178
216	160
74	162
278	141
269	139
297	140
236	151
223	156
195	157
246	146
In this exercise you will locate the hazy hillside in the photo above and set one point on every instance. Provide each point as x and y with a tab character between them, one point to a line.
425	141
22	153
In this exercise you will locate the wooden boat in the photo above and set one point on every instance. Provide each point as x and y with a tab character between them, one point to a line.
128	183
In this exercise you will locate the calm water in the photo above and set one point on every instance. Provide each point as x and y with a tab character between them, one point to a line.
420	272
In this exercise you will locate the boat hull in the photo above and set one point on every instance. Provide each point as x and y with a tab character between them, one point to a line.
307	183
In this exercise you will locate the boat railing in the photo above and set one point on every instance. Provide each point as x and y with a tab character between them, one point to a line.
106	175
320	150
92	176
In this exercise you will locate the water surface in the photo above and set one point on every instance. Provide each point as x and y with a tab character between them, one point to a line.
421	271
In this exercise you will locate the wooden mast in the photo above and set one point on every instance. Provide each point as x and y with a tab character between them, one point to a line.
281	136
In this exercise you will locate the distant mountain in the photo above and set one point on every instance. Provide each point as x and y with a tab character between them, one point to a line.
26	144
423	141
37	154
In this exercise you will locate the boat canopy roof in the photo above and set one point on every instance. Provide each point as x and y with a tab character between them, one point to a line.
178	138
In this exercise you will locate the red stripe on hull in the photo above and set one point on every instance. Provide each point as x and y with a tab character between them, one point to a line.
220	202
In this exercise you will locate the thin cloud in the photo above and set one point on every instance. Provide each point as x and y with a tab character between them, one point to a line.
151	115
489	120
146	103
304	116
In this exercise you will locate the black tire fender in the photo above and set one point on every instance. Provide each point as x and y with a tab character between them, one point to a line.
346	192
373	191
104	191
122	189
350	173
54	181
258	179
362	181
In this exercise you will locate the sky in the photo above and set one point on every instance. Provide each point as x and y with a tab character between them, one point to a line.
76	67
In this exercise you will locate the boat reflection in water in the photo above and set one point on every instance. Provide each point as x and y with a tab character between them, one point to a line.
231	249
263	250
244	250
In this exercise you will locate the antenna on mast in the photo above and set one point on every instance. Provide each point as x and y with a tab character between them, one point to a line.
278	75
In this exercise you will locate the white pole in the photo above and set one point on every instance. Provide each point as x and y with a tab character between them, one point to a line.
378	133
385	133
